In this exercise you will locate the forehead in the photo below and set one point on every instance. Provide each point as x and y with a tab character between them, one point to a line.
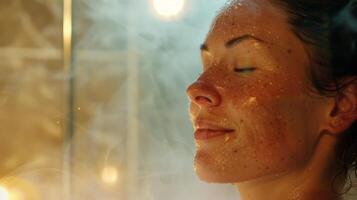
259	18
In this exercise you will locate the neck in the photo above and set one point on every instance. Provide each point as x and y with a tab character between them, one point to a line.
311	181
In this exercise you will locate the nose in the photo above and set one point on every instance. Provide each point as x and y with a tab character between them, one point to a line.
203	94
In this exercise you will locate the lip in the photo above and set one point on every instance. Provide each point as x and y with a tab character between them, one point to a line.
207	130
205	134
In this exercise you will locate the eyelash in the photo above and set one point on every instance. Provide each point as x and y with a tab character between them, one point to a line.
244	70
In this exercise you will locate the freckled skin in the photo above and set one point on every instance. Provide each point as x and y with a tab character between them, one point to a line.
270	110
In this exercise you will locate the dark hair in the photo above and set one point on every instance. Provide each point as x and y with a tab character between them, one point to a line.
329	30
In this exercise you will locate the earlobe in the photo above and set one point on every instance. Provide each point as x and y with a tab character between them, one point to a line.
337	125
340	124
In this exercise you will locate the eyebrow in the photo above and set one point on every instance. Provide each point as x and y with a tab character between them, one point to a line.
235	41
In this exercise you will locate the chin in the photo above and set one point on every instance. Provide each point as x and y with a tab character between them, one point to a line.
218	176
212	178
211	173
221	176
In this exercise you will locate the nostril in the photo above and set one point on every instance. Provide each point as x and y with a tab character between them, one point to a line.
203	94
202	99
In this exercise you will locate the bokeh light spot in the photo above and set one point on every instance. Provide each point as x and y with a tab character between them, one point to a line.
110	175
168	8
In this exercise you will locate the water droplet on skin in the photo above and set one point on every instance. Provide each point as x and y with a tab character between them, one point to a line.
226	138
253	100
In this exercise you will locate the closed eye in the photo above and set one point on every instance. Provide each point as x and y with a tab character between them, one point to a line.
244	70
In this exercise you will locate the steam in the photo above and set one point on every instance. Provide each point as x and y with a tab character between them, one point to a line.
168	60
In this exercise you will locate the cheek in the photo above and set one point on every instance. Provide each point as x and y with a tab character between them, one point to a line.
265	144
273	132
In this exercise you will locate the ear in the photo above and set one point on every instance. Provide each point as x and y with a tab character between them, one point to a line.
344	110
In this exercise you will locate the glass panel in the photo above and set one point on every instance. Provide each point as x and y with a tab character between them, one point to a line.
32	97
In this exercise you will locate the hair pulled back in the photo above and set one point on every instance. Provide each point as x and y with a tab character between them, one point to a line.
329	30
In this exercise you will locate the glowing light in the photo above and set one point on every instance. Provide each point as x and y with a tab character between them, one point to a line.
4	194
168	8
110	175
16	195
13	188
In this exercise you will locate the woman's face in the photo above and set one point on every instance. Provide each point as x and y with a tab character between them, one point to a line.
250	108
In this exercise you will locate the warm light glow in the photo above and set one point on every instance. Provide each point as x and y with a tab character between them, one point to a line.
168	8
4	194
110	175
67	33
13	188
16	195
